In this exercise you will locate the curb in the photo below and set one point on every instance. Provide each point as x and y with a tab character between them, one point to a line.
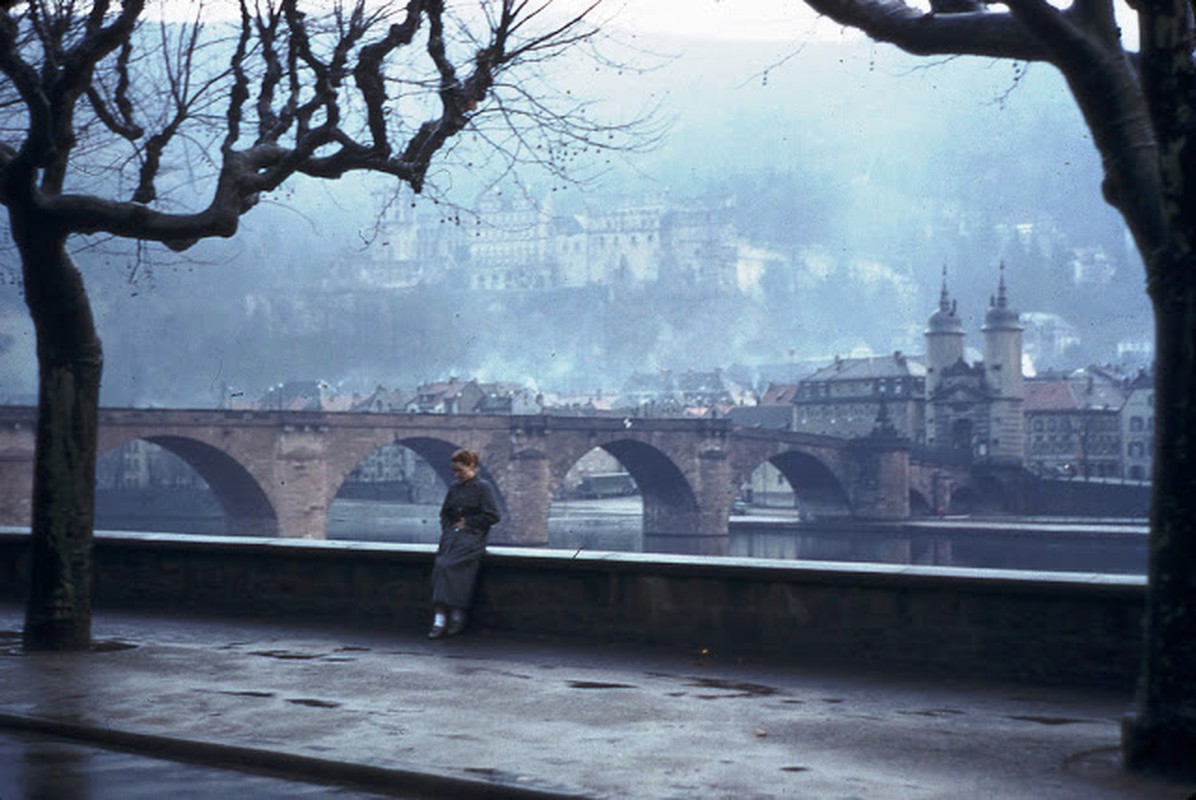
388	780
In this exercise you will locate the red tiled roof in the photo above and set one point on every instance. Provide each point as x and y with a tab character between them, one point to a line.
1065	395
779	394
1049	396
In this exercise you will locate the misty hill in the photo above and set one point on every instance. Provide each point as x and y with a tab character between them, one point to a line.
870	170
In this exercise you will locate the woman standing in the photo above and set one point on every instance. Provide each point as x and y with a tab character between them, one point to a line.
468	512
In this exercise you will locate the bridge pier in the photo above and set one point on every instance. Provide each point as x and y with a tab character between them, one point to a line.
526	489
679	525
880	484
299	490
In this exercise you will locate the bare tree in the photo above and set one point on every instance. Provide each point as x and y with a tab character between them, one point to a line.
116	122
1140	106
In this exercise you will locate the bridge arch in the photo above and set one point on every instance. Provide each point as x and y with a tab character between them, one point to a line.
964	500
919	505
247	509
996	492
663	486
671	509
436	451
818	490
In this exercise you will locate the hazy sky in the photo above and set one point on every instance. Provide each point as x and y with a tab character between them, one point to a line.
742	20
745	20
761	20
869	128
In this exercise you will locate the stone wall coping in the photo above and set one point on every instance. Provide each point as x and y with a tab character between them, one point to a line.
1093	527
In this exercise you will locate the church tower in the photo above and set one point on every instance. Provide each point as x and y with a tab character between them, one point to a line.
944	339
1003	375
944	348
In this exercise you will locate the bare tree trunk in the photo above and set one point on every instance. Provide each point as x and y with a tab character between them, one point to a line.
1160	733
70	363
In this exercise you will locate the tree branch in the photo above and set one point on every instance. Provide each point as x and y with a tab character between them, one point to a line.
239	93
124	126
993	34
317	126
237	189
271	125
23	76
80	61
369	76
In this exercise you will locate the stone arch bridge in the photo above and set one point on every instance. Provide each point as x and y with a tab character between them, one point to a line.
276	473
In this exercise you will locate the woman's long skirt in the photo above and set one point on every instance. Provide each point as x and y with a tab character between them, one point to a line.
455	570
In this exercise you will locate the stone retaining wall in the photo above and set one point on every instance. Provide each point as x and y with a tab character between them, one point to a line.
1052	627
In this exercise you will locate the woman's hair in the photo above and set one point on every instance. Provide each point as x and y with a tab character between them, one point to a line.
467	457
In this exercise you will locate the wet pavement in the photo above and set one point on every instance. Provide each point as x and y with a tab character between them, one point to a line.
188	707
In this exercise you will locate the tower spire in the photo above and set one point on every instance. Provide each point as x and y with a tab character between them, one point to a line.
1000	314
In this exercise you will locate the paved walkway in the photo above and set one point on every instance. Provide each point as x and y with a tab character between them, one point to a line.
490	715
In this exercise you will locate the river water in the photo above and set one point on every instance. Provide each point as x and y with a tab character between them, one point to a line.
613	524
616	524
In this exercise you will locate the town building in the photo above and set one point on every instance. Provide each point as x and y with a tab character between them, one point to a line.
456	396
395	473
939	401
690	393
1074	426
1091	423
1137	427
303	396
453	396
383	401
846	397
514	242
511	244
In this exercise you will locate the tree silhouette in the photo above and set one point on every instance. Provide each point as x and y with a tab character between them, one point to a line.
117	122
1140	106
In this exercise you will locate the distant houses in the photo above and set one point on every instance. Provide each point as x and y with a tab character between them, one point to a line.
845	398
1089	423
1093	422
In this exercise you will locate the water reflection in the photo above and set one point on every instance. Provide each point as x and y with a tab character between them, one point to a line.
42	768
48	769
613	524
616	524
